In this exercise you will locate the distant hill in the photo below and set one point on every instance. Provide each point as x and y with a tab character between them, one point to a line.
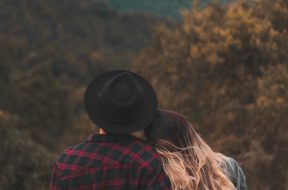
170	8
64	33
74	22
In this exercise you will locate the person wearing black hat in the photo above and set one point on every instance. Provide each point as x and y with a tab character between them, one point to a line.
120	103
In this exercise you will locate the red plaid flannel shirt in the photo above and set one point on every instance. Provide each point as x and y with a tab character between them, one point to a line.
120	162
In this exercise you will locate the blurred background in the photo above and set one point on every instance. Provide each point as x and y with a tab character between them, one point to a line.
223	64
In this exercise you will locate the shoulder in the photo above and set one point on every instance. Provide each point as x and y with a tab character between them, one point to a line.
70	153
231	164
235	173
142	153
134	152
149	159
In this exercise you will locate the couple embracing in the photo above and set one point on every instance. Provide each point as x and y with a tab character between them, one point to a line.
140	146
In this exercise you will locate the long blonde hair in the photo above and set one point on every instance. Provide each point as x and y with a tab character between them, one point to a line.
187	160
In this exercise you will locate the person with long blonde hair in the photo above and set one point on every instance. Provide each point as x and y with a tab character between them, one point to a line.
187	160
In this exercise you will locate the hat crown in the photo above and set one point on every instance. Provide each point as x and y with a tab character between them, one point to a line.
121	98
120	101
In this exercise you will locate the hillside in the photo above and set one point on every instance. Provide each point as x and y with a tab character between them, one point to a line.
66	32
170	8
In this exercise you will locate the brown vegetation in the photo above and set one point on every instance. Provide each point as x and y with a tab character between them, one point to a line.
226	68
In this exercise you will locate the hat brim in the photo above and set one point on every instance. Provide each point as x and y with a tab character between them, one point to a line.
94	111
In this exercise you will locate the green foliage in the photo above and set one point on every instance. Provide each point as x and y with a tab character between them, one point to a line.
24	164
32	96
225	67
68	34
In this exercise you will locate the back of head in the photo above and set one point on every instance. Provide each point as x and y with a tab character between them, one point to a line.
171	127
187	159
120	102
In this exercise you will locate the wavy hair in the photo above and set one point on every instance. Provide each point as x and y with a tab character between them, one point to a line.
187	160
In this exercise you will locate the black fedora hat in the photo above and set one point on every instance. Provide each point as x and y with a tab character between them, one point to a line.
120	101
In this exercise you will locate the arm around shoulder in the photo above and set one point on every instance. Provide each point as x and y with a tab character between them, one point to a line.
236	174
159	181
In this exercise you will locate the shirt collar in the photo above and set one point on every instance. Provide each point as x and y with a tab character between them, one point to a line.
112	138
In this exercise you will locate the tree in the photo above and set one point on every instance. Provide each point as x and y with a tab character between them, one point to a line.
24	164
42	104
210	68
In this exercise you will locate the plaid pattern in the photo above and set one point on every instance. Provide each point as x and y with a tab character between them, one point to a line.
120	162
